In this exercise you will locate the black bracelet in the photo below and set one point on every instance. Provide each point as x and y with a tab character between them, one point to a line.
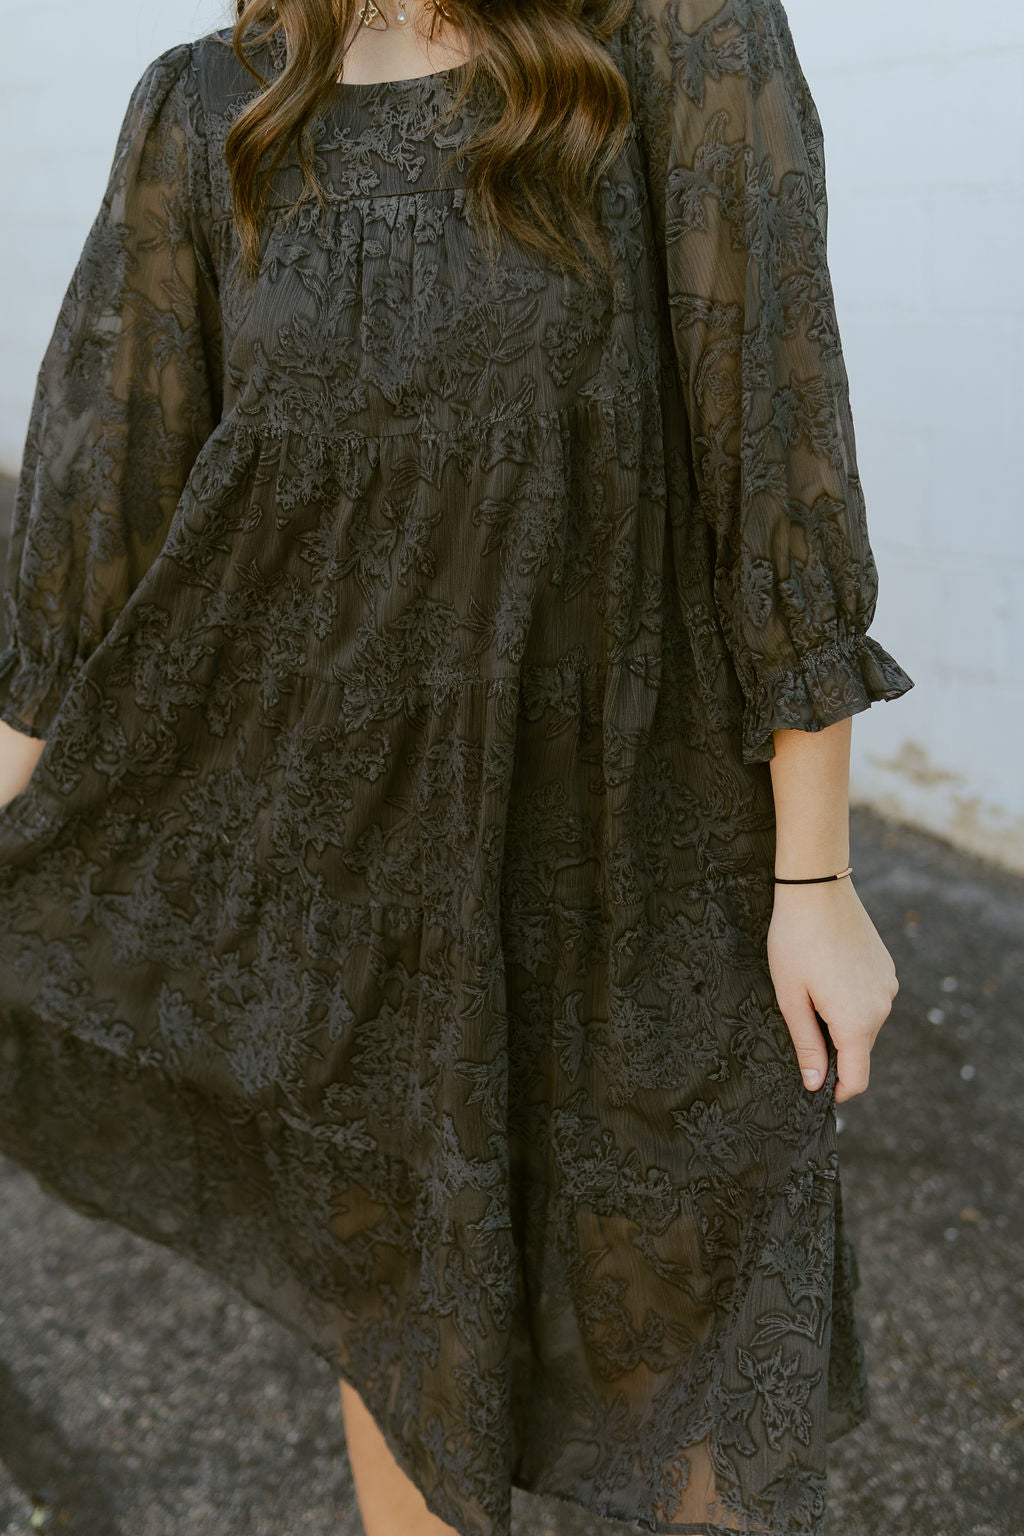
816	879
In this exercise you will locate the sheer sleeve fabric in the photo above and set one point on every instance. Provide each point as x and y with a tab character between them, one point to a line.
734	155
127	393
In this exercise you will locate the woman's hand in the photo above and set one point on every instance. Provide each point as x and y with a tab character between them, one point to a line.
824	954
19	755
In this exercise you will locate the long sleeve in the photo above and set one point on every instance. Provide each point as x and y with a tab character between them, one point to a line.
735	161
127	393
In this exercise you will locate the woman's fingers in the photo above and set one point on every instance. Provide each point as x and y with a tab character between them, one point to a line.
854	1068
853	1052
805	1032
854	1048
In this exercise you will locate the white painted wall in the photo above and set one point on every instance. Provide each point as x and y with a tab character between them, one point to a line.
924	128
924	140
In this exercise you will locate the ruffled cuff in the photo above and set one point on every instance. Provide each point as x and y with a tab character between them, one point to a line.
31	690
827	685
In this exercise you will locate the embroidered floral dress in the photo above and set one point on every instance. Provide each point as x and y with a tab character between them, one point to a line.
384	924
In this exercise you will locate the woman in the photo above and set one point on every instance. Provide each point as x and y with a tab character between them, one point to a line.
438	595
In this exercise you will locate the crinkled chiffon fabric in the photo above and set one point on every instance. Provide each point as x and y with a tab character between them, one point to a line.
384	925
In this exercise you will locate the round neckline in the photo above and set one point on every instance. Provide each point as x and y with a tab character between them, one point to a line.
376	85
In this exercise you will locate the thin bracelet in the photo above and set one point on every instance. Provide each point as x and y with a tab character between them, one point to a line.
816	879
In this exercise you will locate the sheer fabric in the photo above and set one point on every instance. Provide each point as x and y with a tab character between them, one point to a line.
384	926
128	392
736	169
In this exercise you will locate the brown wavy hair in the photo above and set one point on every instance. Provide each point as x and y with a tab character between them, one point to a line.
556	114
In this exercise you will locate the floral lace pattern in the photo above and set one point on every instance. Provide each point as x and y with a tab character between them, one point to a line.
384	925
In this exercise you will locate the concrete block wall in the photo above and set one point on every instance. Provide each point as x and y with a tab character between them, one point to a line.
924	126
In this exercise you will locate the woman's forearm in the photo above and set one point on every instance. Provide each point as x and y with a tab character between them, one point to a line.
811	785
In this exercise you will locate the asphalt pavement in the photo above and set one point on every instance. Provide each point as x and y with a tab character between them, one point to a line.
141	1397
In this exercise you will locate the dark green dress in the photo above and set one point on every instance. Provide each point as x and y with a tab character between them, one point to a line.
384	925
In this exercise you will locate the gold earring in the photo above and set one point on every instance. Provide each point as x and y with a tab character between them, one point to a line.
369	11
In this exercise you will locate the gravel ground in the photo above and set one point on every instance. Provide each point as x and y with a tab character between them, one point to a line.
139	1397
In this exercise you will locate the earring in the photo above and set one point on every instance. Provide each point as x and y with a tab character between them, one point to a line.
369	11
